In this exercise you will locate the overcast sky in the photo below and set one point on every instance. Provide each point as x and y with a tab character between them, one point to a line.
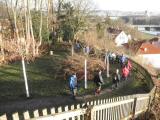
128	5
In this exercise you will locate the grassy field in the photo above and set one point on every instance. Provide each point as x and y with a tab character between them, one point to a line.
42	77
46	79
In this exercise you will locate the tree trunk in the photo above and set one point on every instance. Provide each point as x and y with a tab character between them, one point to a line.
25	77
106	61
10	18
1	44
107	65
72	50
49	1
35	5
31	29
85	74
27	31
40	32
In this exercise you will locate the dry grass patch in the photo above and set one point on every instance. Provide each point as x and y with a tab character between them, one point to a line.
76	64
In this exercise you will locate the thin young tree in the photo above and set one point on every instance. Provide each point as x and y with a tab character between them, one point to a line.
1	43
19	44
40	29
23	43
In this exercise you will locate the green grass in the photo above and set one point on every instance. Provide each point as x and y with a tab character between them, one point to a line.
42	77
45	78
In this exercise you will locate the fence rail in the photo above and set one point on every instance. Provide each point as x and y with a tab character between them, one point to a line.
119	108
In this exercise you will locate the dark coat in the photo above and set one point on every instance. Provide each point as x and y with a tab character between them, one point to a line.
97	80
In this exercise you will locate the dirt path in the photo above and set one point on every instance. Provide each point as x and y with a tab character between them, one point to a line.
48	102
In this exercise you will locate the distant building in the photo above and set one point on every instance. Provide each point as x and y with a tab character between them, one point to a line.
114	17
129	37
120	37
148	51
150	54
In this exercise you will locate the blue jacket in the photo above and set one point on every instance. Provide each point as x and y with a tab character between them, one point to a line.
123	59
72	82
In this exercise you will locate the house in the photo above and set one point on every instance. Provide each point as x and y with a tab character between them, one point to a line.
148	51
134	46
149	54
120	37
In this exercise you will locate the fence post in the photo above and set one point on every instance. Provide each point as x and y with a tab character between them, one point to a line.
44	112
15	116
66	109
93	114
149	103
89	113
53	110
3	117
85	73
36	113
107	65
134	108
26	115
148	108
78	107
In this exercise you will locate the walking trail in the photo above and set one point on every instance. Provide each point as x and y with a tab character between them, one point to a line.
49	102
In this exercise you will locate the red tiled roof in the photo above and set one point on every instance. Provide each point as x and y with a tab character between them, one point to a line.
148	48
135	46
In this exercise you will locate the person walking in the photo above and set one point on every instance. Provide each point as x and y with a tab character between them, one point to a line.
129	65
77	46
123	60
113	58
114	82
98	80
73	85
117	58
125	73
118	75
100	76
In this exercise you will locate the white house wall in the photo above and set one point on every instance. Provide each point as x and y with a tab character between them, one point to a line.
152	59
121	39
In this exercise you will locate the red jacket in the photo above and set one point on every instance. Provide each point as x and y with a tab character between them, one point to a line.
125	72
129	65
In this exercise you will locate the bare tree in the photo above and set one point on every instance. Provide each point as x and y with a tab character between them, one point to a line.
40	30
1	43
22	44
36	5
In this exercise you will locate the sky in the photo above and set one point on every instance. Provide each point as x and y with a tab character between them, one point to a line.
128	5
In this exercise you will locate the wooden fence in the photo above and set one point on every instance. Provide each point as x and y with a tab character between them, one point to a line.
119	108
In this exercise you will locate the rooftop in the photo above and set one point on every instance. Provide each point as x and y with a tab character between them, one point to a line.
148	48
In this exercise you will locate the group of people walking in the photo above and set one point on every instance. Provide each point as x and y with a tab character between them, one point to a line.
121	74
73	84
126	68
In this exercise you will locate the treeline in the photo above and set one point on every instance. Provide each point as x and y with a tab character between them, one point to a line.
28	24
